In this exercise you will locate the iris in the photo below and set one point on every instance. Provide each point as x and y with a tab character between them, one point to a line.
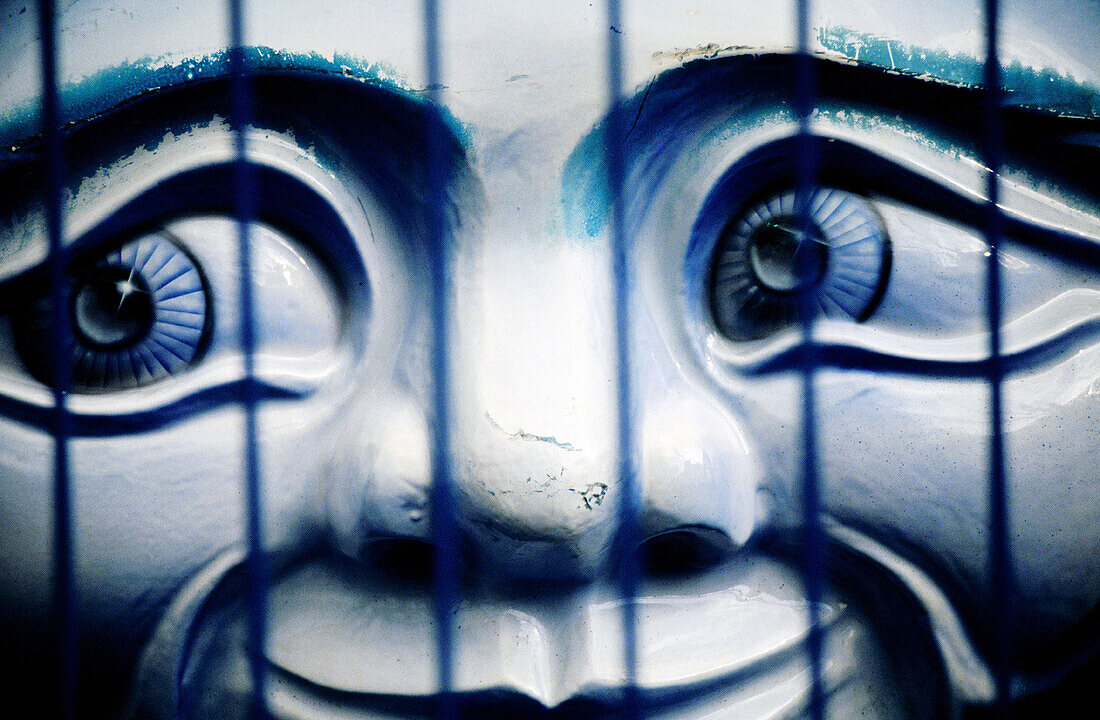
764	258
139	314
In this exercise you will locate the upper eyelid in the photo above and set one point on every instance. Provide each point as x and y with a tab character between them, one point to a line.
370	129
663	118
844	165
282	201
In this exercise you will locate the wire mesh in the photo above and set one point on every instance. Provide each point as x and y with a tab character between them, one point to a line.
627	535
813	559
243	192
446	586
66	644
1000	559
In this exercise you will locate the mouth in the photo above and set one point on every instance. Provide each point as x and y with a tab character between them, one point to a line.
344	643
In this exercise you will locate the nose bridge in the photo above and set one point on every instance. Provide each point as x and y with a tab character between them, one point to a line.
534	451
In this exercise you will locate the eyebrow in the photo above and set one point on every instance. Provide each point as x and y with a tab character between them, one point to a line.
353	124
1025	86
118	85
661	119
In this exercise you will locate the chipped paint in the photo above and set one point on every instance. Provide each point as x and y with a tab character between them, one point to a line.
594	494
1044	88
521	434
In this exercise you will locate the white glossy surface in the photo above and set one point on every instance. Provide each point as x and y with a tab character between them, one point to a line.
346	460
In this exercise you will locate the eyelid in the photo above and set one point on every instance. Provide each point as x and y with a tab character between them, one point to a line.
280	200
370	131
297	209
1059	329
891	179
847	166
285	366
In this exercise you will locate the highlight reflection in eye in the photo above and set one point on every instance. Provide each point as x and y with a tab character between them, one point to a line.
138	314
763	260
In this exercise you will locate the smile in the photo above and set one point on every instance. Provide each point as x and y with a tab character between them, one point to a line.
345	641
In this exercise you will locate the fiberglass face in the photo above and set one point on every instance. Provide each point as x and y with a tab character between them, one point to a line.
341	289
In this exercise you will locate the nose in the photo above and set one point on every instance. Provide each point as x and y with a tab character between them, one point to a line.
534	437
700	475
535	416
379	474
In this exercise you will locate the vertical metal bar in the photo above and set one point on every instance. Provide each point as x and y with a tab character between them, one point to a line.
627	532
999	550
812	542
444	523
64	581
243	190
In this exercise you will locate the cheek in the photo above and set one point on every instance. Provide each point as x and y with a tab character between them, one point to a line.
149	510
1052	448
908	458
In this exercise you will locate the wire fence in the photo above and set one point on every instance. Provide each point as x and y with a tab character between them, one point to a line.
445	526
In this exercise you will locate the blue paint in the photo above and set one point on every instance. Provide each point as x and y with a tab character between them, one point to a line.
586	198
120	84
684	109
1045	88
353	128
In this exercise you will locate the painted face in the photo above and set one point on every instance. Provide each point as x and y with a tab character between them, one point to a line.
340	280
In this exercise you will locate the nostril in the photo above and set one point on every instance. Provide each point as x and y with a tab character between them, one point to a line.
684	551
403	561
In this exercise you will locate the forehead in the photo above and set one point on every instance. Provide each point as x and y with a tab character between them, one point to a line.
508	63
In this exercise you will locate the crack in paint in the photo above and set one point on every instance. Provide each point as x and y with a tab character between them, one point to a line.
521	434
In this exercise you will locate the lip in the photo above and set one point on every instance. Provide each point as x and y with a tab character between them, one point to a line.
343	643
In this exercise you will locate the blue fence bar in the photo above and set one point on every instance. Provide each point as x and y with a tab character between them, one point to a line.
627	535
66	644
243	193
443	511
813	552
806	358
1000	564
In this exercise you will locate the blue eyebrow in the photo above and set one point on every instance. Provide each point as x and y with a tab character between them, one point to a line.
352	124
119	84
1046	89
664	116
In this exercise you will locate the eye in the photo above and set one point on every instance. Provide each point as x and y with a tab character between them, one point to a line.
139	314
763	260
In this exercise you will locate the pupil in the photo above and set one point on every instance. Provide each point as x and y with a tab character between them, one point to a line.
784	260
112	308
